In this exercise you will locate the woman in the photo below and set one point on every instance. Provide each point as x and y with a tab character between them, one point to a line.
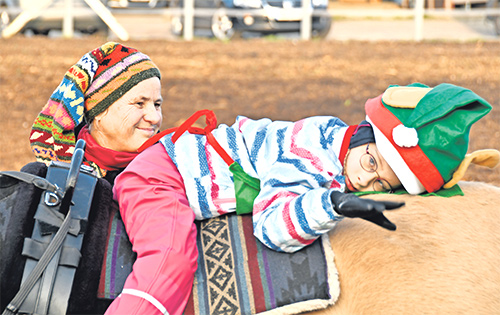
112	99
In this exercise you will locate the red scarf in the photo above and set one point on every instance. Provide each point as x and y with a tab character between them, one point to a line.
105	158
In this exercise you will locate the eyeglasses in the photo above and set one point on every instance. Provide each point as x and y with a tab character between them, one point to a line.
369	164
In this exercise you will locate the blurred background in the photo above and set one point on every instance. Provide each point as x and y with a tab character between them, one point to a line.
229	19
283	59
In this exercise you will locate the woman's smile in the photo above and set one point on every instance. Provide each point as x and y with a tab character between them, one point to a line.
149	131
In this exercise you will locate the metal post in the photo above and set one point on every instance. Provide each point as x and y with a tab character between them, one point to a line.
108	18
188	20
419	20
68	25
24	17
306	23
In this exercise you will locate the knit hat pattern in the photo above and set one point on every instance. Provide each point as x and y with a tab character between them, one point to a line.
95	82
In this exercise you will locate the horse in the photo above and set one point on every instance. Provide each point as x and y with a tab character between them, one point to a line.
443	258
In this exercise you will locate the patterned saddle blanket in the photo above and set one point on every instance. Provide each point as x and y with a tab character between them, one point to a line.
236	273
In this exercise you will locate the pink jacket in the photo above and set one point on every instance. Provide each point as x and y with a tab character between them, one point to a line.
160	225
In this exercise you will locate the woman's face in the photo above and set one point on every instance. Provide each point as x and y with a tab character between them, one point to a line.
363	158
132	119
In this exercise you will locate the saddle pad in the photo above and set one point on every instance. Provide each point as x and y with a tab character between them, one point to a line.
237	274
118	259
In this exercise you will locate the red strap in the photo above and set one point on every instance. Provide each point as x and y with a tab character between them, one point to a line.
346	142
155	139
223	154
211	122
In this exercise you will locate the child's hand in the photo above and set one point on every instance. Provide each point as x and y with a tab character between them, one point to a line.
352	206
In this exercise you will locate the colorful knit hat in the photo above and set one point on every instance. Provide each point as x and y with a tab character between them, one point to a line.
423	133
88	88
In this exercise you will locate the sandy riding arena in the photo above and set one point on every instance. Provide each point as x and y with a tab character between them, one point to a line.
280	79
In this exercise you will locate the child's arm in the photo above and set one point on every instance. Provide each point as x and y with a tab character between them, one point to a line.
289	218
288	221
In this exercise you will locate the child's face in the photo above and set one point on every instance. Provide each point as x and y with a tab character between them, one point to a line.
366	170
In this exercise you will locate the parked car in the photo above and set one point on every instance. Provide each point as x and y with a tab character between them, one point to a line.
280	16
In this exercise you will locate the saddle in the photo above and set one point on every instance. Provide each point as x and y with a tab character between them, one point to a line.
45	214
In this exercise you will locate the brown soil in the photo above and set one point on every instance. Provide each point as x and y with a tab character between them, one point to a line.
285	80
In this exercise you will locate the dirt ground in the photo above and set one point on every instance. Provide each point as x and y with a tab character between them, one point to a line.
280	79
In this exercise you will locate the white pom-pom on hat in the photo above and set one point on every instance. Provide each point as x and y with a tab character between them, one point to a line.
404	136
392	156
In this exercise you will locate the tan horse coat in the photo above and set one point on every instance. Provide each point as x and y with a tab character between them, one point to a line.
444	257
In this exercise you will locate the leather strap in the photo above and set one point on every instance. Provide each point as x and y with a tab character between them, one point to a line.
38	294
35	274
37	181
70	256
51	220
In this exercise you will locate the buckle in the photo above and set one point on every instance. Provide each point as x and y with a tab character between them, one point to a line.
51	199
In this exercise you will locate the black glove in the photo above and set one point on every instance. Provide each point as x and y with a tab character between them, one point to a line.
352	206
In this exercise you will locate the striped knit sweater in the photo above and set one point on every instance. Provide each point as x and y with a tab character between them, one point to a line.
297	164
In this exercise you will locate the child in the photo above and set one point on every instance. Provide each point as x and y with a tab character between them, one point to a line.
414	137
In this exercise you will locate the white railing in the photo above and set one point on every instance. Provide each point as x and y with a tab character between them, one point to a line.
417	14
189	12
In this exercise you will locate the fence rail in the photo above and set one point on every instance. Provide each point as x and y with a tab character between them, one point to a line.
305	14
343	13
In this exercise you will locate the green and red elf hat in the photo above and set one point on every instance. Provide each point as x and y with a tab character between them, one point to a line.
423	133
